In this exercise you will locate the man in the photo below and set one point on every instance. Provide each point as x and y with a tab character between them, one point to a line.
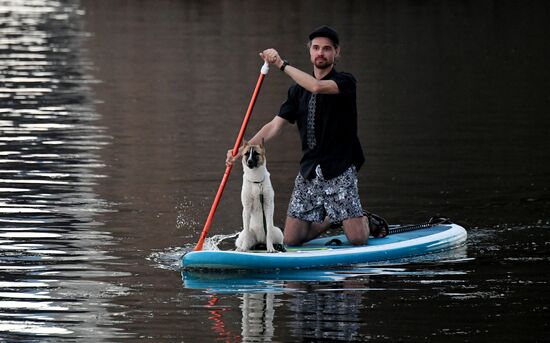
323	106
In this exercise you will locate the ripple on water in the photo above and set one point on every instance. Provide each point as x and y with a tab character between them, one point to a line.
54	282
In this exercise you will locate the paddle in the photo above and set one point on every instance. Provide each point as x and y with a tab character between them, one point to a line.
263	73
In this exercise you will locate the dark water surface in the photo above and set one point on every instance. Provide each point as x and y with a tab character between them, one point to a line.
114	121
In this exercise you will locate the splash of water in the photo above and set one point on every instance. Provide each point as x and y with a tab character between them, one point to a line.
213	242
169	258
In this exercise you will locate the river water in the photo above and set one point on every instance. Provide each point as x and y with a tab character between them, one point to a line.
114	121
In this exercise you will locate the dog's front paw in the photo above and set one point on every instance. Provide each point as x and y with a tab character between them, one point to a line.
277	248
271	249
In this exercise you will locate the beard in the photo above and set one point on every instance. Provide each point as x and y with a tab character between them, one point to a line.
323	63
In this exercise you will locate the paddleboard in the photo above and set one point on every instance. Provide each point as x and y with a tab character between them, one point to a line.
317	254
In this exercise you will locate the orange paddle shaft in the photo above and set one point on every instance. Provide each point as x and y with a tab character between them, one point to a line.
263	73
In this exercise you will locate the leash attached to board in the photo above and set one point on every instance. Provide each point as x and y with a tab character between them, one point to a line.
432	222
263	73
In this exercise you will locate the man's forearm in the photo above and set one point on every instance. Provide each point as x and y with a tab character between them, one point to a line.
302	78
308	82
268	131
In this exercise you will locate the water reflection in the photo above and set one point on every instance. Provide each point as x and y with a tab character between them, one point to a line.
53	281
307	319
343	306
304	300
258	312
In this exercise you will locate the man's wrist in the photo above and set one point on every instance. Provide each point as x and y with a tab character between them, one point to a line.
283	65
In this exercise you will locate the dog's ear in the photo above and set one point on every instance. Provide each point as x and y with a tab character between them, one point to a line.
243	145
262	147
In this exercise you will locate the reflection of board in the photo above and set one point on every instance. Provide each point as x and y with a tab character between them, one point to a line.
315	254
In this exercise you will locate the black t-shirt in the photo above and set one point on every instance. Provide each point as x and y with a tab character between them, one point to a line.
337	146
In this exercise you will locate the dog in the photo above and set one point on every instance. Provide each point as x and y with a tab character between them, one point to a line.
258	200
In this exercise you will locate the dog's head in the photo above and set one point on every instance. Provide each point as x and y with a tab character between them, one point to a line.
253	155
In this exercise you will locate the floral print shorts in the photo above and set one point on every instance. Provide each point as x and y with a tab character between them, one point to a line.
337	198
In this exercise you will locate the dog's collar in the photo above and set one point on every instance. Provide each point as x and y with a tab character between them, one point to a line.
258	182
250	177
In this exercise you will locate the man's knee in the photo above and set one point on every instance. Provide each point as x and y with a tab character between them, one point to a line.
291	237
356	230
295	231
358	240
291	241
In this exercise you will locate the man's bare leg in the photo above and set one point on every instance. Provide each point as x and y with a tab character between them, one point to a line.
357	230
298	231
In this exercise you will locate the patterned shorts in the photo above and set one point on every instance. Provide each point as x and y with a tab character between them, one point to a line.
337	198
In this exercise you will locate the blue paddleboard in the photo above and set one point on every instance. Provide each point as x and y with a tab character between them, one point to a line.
317	254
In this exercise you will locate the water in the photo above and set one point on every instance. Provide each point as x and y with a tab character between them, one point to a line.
114	122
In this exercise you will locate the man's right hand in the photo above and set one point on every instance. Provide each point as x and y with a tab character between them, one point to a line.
230	159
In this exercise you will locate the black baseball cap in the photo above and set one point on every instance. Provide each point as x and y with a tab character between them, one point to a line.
325	31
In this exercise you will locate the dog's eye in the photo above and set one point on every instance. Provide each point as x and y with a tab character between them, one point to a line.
247	153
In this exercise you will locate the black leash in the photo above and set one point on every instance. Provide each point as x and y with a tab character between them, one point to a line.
432	222
262	204
276	246
263	213
400	229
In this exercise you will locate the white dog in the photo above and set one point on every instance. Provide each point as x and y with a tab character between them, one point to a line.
257	197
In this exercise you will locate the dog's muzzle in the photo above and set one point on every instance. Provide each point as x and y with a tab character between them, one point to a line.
252	159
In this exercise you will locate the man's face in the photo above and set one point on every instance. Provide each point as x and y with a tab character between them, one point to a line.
322	52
